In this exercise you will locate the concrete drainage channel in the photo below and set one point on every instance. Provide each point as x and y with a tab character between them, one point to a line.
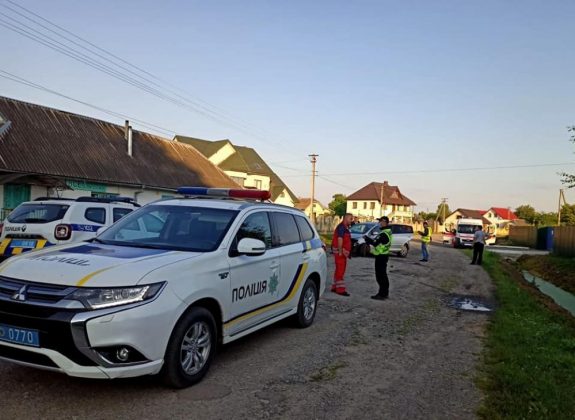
561	297
469	303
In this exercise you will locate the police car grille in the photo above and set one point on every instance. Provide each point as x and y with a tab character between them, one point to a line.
35	292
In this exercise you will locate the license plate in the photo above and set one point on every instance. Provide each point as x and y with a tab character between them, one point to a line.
23	243
19	335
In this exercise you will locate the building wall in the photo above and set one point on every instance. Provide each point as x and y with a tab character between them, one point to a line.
370	209
252	182
222	154
285	199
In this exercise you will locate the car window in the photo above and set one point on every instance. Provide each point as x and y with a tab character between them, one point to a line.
360	228
186	228
38	213
286	232
305	230
119	212
256	226
96	215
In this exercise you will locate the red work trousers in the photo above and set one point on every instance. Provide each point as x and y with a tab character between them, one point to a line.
338	285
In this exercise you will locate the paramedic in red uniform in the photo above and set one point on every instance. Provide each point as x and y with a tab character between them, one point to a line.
341	247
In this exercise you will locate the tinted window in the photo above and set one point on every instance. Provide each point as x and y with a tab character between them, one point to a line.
361	228
118	213
286	229
38	213
96	215
198	229
256	226
305	230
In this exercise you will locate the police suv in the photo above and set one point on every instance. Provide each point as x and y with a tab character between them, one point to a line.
49	221
159	290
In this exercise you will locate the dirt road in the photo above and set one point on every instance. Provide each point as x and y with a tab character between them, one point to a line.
411	356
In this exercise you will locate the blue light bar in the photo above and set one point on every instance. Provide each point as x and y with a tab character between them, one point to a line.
225	192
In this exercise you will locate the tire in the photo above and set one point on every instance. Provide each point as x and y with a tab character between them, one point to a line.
364	250
404	251
307	305
185	367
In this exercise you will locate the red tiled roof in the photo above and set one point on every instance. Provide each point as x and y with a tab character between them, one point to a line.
504	213
373	191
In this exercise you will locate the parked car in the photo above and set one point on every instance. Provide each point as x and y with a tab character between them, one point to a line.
161	289
401	235
47	221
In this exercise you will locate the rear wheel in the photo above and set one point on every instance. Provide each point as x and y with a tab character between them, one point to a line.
307	305
403	251
190	350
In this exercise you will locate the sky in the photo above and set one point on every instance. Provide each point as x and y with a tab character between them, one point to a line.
422	94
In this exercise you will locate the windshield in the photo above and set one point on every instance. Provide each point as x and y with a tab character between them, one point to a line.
467	228
38	213
360	228
183	228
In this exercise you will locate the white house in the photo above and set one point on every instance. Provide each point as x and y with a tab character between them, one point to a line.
380	199
317	209
243	165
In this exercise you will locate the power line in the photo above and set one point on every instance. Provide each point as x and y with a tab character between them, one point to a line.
420	171
25	82
131	79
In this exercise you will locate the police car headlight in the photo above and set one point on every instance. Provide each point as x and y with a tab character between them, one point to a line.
106	297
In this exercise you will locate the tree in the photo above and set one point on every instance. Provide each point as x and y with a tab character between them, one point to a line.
546	219
568	215
442	212
569	179
527	213
339	204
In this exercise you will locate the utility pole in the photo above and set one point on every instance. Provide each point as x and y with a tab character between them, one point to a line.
561	199
313	159
442	210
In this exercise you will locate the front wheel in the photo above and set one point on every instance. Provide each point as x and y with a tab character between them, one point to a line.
191	349
307	305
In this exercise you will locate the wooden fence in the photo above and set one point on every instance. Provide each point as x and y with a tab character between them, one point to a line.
564	241
523	236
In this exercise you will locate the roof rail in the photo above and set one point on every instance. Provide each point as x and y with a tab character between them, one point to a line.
53	198
127	200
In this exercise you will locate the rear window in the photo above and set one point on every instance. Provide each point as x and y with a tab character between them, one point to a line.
401	229
305	229
38	213
96	215
286	229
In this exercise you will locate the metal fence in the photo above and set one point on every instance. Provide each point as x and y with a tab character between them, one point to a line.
564	241
523	236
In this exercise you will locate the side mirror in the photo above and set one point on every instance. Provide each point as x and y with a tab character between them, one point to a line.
251	247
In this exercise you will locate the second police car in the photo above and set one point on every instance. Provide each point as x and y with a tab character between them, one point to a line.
158	291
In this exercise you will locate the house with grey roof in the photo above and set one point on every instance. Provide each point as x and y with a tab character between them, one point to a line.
49	152
243	165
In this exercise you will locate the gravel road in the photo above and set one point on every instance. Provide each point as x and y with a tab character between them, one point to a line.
412	356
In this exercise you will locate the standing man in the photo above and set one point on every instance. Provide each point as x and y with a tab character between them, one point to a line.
425	240
478	245
381	246
341	248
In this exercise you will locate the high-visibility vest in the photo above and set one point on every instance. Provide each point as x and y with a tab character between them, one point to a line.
382	249
427	238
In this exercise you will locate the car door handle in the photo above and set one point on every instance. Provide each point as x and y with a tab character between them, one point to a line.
275	264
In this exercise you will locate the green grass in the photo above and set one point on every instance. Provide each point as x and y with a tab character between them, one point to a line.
326	238
529	362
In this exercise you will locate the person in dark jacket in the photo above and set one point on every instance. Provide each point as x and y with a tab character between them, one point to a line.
381	246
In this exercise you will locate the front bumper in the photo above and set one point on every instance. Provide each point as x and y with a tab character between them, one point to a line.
73	340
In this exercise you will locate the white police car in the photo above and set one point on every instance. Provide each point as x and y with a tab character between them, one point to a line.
49	221
161	288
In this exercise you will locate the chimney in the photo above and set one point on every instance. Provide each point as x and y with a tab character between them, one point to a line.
126	128
130	140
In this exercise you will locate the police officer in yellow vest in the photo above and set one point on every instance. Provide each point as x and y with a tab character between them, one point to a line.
425	240
381	246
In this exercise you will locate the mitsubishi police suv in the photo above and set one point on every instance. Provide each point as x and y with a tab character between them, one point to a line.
162	288
54	221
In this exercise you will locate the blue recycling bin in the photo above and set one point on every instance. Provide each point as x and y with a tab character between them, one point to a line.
545	238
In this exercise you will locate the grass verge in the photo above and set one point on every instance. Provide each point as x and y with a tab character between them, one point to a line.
529	360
